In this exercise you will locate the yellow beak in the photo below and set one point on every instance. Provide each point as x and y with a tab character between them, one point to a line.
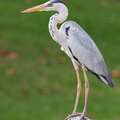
36	8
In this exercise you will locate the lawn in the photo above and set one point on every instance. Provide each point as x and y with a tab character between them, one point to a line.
37	80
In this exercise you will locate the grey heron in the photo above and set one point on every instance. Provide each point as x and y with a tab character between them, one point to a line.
78	45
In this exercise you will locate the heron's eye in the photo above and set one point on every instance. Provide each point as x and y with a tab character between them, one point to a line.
50	4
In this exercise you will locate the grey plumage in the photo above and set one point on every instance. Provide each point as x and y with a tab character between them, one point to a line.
87	52
78	45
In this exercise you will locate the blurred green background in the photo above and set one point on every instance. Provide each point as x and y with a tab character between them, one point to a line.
37	80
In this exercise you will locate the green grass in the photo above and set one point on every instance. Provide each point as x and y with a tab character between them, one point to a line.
37	80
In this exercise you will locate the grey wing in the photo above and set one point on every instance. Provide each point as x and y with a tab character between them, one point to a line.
84	51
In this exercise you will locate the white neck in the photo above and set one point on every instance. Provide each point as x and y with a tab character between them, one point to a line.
54	20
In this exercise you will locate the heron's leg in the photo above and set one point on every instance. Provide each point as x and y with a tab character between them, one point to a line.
86	90
79	86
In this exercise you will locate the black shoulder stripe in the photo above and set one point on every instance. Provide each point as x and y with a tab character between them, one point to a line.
67	29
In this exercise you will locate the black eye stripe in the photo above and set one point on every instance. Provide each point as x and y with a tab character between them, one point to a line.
56	1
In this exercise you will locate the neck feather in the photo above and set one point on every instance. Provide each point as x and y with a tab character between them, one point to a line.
54	20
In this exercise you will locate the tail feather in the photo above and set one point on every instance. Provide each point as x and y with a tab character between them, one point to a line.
108	80
103	78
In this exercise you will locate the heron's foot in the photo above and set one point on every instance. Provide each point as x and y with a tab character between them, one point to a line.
77	116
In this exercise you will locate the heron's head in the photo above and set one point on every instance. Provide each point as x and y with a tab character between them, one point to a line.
52	5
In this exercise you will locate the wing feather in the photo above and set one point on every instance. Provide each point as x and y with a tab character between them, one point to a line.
83	48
